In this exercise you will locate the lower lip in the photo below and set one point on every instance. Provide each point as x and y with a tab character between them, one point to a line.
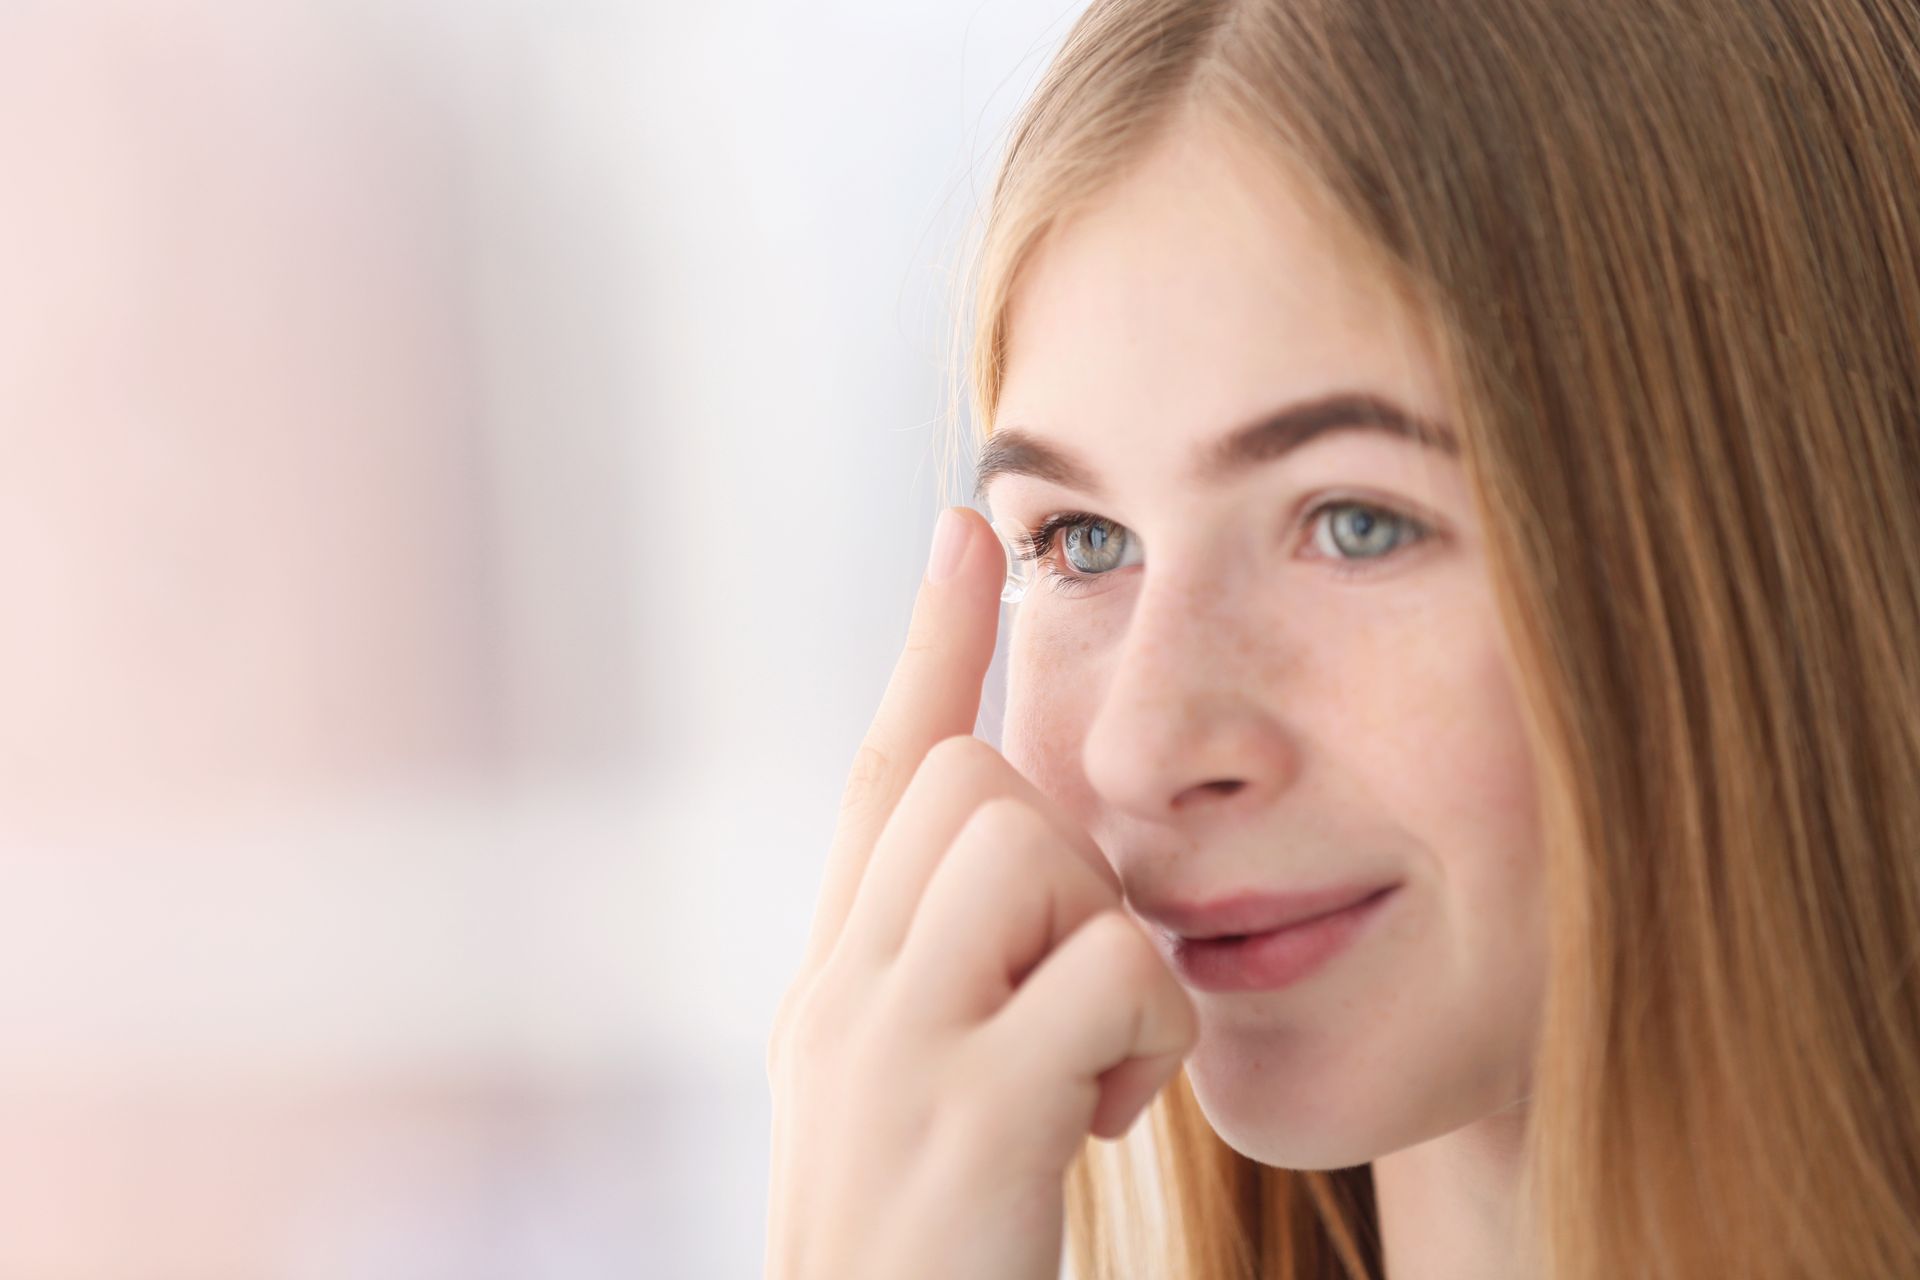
1277	958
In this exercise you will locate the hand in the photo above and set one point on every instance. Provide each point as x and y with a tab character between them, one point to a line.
973	1000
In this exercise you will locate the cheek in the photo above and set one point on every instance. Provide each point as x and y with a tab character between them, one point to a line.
1463	781
1050	703
1425	712
1491	768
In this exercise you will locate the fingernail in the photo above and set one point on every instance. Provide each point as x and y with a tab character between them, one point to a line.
949	540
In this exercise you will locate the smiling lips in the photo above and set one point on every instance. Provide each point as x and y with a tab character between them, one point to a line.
1251	912
1276	957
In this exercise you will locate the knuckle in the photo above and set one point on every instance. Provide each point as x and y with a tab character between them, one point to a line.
922	639
811	1021
1124	950
867	776
1003	820
987	853
777	1037
960	754
1136	967
929	632
1188	1016
1176	1011
787	1016
778	1051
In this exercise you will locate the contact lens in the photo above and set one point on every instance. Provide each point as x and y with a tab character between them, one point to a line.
1019	570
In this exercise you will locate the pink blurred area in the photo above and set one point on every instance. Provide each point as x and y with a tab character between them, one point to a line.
478	1178
244	531
252	520
467	467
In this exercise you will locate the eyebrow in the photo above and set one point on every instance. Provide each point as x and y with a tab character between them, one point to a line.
1015	451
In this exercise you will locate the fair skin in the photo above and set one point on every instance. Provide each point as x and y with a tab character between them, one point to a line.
1221	711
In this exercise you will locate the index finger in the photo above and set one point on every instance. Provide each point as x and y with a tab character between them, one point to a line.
934	693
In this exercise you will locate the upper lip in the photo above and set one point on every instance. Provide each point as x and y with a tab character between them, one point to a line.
1253	911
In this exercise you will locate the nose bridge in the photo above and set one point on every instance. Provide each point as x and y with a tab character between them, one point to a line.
1193	620
1181	700
1178	621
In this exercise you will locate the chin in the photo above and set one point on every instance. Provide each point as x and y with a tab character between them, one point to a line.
1284	1112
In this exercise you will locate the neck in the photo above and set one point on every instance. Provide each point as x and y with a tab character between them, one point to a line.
1452	1208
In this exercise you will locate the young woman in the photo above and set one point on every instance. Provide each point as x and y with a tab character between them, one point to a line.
1461	774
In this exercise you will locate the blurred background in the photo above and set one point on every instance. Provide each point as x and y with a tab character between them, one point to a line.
468	464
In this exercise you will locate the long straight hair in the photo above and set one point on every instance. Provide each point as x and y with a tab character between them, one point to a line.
1670	253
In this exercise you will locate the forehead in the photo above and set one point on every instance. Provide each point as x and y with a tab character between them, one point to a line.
1206	286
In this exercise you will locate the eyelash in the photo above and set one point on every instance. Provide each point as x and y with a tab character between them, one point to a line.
1039	542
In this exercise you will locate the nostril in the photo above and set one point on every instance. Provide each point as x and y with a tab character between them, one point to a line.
1221	788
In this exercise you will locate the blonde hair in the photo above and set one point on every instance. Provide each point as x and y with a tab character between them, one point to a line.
1670	253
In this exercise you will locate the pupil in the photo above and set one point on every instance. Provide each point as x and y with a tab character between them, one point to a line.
1087	540
1359	523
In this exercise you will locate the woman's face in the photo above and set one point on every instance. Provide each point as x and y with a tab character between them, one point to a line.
1240	694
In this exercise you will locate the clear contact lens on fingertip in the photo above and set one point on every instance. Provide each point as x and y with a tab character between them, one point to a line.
1019	570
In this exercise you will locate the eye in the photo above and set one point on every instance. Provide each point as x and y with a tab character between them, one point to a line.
1359	536
1091	547
1360	526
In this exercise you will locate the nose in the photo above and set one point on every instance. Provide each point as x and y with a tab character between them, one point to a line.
1189	723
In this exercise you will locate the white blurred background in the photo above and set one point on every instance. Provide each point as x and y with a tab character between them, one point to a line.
468	464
